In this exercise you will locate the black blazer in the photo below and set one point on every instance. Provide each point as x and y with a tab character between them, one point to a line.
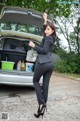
44	50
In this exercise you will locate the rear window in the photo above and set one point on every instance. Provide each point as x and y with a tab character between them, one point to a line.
21	28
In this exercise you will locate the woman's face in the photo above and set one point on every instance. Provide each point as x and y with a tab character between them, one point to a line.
48	31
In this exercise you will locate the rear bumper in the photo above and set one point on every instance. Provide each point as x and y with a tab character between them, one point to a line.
17	79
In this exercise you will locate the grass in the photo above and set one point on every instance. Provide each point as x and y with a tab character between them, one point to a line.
72	75
69	75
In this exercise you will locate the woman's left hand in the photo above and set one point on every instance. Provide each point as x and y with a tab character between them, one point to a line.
31	44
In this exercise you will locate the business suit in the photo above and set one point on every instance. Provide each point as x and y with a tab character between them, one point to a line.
43	67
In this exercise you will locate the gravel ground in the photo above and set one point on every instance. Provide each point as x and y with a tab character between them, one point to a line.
63	103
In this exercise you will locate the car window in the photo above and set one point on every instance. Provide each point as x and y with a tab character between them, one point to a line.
22	28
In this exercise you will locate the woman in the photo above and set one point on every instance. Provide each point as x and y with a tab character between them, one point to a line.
44	65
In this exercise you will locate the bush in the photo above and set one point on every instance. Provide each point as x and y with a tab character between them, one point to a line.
70	63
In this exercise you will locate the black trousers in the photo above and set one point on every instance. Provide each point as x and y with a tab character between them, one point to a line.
44	70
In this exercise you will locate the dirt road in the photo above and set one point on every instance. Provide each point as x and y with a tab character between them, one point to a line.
63	102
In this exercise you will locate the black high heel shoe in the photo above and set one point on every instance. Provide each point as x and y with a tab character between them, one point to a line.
40	111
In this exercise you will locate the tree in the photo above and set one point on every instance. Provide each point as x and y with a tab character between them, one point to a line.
70	25
75	37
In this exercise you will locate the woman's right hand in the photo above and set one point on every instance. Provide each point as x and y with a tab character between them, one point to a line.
45	16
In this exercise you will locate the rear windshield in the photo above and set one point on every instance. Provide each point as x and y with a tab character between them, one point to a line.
21	28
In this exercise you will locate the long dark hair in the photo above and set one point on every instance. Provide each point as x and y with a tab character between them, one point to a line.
51	25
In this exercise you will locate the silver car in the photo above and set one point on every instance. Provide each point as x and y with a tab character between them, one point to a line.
17	27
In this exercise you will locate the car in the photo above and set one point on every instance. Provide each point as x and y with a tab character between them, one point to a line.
18	26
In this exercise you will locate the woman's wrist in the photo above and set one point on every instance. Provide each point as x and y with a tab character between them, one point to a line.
45	21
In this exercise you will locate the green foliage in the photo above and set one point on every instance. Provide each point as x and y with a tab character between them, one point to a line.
52	7
70	63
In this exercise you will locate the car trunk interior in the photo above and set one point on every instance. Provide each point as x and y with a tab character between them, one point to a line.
15	50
